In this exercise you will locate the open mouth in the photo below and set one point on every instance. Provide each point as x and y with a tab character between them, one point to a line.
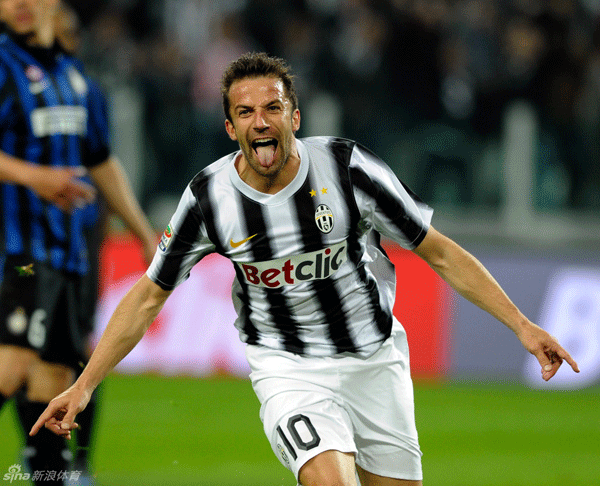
265	149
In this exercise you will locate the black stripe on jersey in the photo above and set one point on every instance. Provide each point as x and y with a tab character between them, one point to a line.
47	157
8	91
17	66
342	152
388	204
178	248
199	187
21	153
187	233
324	290
261	251
24	217
248	327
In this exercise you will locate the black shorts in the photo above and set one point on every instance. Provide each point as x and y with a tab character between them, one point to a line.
45	312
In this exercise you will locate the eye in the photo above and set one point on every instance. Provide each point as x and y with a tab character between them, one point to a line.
274	108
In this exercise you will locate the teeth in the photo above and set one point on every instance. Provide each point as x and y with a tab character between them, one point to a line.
263	142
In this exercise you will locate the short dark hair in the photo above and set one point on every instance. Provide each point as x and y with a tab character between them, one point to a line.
253	65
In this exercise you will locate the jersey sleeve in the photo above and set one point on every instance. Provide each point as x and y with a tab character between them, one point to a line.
97	143
183	244
385	203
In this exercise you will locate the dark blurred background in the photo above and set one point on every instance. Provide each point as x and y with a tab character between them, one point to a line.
489	110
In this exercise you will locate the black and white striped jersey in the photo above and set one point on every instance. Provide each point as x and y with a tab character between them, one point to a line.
311	277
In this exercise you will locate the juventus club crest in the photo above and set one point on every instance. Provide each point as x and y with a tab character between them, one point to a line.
324	218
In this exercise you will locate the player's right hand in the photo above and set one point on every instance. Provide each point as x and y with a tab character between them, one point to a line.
59	416
61	186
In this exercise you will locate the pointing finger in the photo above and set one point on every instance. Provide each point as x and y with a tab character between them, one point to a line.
564	354
46	416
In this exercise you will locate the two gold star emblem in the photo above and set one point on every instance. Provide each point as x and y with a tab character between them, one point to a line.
313	193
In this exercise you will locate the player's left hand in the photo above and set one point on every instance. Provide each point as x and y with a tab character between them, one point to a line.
546	348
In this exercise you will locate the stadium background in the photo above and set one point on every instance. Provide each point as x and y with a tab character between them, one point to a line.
490	110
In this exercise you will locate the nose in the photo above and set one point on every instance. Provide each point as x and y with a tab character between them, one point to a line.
260	121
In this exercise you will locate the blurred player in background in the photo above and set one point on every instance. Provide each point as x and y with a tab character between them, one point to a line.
301	219
94	224
53	130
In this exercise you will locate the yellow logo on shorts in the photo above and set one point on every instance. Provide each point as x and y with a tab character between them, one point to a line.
283	454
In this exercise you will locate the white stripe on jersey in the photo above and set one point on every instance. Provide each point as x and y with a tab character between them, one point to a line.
310	276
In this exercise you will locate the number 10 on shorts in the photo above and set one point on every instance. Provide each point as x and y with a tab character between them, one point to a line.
303	434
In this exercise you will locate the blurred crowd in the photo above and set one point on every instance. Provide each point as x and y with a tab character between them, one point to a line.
426	84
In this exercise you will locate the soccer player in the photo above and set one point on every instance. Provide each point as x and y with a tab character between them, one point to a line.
301	220
53	129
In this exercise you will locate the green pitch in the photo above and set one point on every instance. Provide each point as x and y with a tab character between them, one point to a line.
160	431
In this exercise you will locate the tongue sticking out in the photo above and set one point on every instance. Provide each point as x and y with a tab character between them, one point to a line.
266	155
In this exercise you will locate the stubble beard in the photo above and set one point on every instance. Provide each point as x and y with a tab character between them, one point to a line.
269	173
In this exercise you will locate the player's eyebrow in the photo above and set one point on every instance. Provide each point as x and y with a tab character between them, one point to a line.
242	107
274	101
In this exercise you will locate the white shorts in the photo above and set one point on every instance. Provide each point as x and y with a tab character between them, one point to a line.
363	406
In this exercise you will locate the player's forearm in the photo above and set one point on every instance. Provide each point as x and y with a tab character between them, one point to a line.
128	324
467	275
14	170
114	185
471	280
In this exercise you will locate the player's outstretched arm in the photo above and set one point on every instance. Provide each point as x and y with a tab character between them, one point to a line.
128	324
463	272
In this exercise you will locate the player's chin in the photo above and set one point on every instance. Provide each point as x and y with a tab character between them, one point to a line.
267	171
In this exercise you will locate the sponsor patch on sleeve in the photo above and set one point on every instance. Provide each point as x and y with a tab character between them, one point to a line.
165	239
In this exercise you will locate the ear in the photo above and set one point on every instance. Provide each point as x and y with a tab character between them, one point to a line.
230	130
296	120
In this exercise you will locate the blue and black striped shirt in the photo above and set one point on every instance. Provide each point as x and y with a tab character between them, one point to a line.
50	114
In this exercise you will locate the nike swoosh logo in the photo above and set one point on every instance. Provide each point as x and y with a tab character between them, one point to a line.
235	244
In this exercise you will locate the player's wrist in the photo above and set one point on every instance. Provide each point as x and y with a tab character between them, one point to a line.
521	325
85	385
17	171
28	174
